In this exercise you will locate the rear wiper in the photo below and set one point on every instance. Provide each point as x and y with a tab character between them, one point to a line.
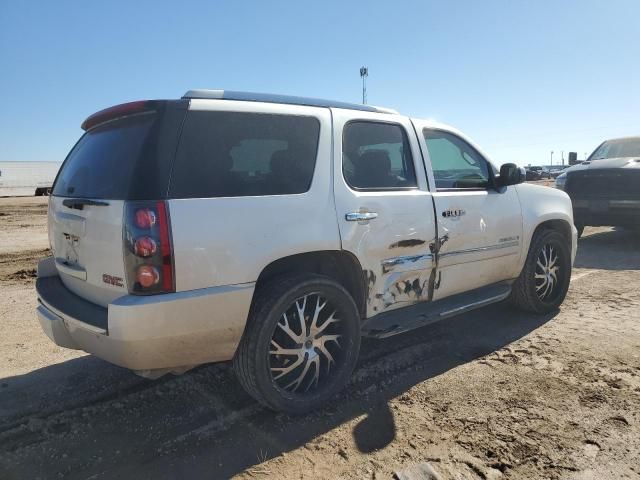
79	203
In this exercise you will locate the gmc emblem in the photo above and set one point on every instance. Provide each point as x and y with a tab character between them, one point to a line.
111	280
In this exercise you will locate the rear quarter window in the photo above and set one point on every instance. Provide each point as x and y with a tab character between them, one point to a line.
231	154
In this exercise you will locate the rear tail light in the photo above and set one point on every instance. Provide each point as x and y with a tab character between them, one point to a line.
145	247
147	276
148	252
145	218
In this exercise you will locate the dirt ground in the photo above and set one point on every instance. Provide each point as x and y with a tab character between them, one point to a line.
491	394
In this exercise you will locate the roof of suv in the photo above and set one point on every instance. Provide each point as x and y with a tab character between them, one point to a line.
274	98
632	137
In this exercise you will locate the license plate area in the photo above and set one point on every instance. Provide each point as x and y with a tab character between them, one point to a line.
72	269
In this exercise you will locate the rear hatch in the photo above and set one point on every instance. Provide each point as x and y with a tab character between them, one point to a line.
125	155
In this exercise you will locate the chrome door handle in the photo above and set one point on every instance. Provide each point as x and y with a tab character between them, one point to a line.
360	216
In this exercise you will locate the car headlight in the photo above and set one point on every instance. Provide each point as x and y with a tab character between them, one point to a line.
561	180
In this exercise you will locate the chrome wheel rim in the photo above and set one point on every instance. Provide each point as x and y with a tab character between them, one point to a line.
547	273
306	344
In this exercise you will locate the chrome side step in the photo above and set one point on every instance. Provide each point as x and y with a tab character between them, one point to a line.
474	305
424	313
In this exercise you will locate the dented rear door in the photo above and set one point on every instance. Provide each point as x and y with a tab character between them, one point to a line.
384	208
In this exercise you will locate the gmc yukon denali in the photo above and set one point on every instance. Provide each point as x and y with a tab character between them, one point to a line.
275	231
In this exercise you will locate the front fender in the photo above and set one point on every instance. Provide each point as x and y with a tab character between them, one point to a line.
544	204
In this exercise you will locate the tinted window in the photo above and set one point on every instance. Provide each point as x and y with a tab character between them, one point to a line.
377	156
455	163
102	163
231	154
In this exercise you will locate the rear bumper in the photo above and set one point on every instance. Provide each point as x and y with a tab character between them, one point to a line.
166	331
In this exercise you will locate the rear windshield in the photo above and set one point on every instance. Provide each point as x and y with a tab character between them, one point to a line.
102	163
231	154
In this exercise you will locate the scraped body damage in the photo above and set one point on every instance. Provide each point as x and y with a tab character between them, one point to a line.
400	281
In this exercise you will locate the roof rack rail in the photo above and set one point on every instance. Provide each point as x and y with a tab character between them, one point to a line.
273	98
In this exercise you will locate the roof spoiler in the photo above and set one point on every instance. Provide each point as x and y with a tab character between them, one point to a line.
118	111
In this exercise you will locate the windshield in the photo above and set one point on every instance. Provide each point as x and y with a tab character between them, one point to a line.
628	147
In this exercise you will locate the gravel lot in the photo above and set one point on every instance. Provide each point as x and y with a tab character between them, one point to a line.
491	394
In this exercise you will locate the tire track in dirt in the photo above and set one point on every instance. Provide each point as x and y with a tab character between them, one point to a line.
20	267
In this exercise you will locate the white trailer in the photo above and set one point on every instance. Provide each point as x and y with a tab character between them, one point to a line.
27	178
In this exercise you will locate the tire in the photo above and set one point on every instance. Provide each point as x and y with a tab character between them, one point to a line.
274	379
580	229
535	290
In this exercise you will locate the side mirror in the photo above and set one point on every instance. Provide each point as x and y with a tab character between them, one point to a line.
511	174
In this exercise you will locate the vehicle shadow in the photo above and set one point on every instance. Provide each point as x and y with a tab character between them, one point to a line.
202	425
617	249
63	386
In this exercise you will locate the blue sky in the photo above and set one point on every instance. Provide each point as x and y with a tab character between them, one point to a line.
520	77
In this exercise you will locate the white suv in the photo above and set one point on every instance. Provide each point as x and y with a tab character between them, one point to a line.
274	231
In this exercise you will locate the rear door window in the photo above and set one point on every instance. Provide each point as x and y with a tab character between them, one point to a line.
231	154
102	163
377	156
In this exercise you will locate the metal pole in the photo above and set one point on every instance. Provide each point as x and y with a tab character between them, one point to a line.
551	157
364	73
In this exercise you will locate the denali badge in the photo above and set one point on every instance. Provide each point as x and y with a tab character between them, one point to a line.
112	280
456	212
